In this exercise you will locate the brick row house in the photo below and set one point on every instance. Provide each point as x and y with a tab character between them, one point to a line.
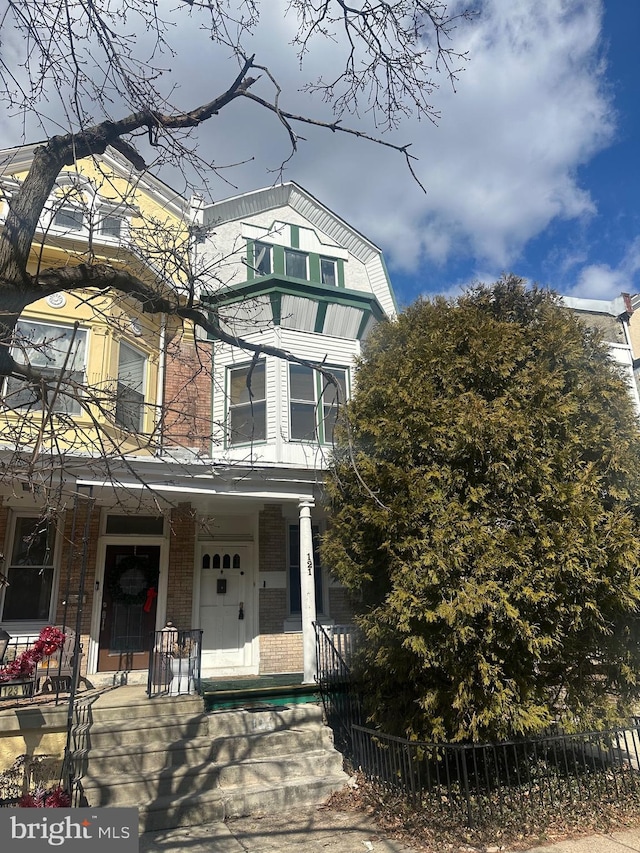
185	484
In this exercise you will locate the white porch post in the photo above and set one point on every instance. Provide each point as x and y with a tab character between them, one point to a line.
308	592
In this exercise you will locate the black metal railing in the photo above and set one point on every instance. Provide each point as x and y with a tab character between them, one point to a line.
340	699
475	782
175	662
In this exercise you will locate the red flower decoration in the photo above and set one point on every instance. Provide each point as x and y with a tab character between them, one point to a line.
48	642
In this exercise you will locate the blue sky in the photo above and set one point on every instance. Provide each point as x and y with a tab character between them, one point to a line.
532	169
596	251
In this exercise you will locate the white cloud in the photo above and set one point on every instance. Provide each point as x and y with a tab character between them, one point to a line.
602	281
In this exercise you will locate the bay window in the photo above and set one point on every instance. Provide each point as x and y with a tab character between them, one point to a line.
59	353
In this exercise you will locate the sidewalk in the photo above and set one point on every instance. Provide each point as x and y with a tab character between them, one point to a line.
320	830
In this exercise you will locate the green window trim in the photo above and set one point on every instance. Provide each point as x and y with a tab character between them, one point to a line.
295	236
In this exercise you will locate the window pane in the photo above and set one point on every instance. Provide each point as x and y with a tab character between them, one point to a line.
295	264
69	218
238	389
45	345
33	542
28	595
328	272
111	226
129	408
248	423
301	383
262	258
131	367
329	390
303	420
142	525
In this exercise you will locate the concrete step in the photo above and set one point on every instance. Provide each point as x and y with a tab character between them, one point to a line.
194	751
119	789
194	809
142	733
135	704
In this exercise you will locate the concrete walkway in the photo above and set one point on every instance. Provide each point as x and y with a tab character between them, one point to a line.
320	830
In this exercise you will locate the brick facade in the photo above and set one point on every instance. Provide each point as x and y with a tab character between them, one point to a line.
182	545
187	393
281	653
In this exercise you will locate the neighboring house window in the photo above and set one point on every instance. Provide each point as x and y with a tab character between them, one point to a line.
58	353
70	218
328	274
132	367
262	259
111	226
313	403
247	404
295	596
30	572
295	264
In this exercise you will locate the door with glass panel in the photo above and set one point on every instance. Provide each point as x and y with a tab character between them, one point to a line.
128	615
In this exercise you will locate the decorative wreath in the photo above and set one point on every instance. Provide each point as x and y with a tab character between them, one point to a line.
114	583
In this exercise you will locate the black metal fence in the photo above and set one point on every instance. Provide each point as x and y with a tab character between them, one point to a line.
475	783
175	662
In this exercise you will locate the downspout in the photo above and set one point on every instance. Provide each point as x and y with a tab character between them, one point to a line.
162	361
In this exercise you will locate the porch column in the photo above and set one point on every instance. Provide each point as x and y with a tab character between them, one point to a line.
308	592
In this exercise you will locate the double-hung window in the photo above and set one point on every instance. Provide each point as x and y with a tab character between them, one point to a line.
314	402
132	368
295	264
262	259
30	571
247	404
58	353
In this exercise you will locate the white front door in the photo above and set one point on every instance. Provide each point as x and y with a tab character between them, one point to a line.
225	611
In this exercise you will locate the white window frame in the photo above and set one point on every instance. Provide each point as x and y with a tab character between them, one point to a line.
30	625
249	405
72	405
267	247
334	263
321	407
130	424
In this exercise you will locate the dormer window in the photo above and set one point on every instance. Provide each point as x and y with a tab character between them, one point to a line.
295	264
262	259
328	272
69	218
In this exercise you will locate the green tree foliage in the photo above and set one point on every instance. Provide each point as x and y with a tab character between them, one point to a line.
491	525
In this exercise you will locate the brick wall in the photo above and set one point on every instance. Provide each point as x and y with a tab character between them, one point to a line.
281	653
187	392
182	544
71	564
